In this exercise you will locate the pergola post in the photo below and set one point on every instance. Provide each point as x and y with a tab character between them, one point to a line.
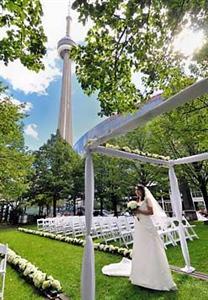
176	203
88	265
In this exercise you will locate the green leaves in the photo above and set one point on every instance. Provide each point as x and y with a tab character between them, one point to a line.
130	37
24	36
15	163
58	172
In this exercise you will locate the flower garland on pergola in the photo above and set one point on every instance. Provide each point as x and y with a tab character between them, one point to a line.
117	125
136	151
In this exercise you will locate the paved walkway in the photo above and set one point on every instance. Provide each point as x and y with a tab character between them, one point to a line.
195	274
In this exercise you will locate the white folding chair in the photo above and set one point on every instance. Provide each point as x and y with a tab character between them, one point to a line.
106	230
125	232
40	223
3	253
168	233
187	226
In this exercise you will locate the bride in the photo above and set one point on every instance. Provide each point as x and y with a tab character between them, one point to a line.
149	266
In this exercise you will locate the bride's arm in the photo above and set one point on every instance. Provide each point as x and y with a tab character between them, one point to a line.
148	211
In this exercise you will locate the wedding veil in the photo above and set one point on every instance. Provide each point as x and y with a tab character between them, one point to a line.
159	217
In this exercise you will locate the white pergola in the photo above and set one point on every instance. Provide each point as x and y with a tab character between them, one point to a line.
119	125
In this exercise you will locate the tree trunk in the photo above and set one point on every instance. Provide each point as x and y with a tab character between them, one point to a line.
101	206
1	213
40	211
114	200
6	213
74	206
185	191
188	204
203	189
47	209
54	206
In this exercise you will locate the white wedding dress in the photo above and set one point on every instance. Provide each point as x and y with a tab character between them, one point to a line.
149	266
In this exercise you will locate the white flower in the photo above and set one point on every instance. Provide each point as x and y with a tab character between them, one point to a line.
127	149
56	285
96	245
50	278
126	252
46	284
105	247
101	246
39	278
111	248
22	263
132	204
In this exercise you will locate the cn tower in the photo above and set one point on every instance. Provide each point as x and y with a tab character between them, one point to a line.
65	112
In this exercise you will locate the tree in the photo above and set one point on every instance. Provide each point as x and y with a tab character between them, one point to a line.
136	37
24	36
15	160
57	170
183	132
113	181
133	37
145	173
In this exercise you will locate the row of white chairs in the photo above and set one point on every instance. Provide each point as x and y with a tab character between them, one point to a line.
110	229
104	228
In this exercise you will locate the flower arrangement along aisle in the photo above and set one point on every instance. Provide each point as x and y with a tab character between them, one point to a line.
79	242
46	284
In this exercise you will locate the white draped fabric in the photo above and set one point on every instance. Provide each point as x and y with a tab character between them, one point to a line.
88	265
190	159
121	124
177	209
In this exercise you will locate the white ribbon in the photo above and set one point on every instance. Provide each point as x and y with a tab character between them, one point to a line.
177	209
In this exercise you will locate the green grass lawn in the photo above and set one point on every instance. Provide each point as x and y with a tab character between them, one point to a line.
63	261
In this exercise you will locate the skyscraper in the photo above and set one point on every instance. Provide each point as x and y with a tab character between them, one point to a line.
65	113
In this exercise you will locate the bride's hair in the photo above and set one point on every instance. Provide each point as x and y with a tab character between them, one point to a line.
141	188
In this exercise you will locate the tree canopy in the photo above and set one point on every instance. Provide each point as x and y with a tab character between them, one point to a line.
134	37
22	33
15	161
58	173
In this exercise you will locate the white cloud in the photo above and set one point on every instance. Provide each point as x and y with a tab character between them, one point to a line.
27	105
31	130
54	22
28	81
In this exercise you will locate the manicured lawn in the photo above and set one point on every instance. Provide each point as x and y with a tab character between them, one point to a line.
63	261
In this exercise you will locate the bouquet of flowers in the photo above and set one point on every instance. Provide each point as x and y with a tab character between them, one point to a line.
132	205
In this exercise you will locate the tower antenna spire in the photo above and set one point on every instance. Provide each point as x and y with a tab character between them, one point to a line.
68	19
69	8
